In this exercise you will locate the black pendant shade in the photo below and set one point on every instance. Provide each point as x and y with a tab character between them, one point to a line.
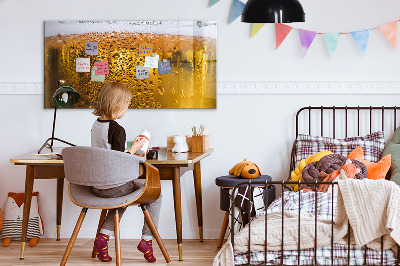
273	11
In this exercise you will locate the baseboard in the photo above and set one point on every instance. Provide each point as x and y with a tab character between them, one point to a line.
260	87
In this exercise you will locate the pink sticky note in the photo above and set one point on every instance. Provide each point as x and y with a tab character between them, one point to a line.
145	49
102	68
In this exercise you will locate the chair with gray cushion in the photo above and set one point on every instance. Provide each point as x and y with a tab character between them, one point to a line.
85	167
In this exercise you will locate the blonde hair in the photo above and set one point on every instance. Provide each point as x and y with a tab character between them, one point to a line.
112	99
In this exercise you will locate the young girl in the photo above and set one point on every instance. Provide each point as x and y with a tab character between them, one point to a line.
113	103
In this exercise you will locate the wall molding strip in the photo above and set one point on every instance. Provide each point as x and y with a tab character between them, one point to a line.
21	88
260	87
310	87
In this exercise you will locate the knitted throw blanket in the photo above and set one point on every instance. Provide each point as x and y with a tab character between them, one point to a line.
373	209
274	235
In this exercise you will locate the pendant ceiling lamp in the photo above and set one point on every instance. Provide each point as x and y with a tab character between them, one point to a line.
273	11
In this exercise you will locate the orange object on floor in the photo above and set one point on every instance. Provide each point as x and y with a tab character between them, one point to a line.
33	241
6	242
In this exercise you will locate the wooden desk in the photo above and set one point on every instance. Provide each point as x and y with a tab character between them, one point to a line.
171	167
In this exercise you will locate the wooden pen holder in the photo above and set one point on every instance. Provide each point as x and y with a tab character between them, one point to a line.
200	143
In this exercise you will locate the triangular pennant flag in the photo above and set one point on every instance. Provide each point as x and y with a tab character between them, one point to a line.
281	31
306	39
237	9
213	2
390	32
332	41
361	37
255	28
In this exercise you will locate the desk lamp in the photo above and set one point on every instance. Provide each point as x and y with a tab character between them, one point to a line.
63	97
273	11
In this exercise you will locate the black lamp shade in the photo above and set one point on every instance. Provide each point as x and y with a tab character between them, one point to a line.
273	11
65	96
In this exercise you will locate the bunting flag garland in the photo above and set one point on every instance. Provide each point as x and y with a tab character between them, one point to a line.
256	27
361	38
213	2
281	31
306	39
332	41
237	9
389	30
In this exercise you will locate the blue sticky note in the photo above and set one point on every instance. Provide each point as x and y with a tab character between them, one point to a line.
164	67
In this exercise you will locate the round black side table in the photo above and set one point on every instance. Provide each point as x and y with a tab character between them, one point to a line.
228	182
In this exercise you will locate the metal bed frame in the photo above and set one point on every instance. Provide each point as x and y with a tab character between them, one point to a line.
284	184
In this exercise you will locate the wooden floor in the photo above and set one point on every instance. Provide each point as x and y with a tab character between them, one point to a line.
50	252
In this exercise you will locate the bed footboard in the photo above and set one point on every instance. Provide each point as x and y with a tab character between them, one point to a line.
300	256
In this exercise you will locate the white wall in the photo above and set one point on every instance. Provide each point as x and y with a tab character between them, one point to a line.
257	127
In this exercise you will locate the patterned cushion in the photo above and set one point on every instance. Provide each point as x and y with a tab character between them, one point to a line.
372	144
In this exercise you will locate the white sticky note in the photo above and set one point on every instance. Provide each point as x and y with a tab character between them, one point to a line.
142	72
151	61
83	65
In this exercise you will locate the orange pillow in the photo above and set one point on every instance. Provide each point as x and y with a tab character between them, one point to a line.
375	170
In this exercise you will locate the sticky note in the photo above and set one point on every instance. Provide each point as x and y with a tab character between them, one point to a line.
102	67
142	72
91	48
99	78
83	64
151	61
145	49
164	67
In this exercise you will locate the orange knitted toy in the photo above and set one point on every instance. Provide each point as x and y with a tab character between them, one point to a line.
348	170
375	170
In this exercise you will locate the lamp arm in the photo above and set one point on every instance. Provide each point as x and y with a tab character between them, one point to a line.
54	126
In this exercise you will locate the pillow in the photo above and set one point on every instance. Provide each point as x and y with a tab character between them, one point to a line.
393	148
375	170
372	144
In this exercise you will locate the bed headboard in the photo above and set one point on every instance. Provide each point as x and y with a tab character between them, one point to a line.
344	118
344	121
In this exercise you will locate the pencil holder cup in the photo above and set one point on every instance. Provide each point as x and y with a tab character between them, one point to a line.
200	143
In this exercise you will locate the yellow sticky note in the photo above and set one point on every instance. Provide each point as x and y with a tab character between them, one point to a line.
145	49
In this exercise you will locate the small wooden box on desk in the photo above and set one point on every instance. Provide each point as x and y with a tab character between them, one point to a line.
200	143
195	143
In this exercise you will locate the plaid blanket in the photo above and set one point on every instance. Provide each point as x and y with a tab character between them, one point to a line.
324	257
322	204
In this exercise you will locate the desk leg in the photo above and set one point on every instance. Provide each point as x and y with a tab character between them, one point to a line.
60	190
176	182
27	206
199	204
